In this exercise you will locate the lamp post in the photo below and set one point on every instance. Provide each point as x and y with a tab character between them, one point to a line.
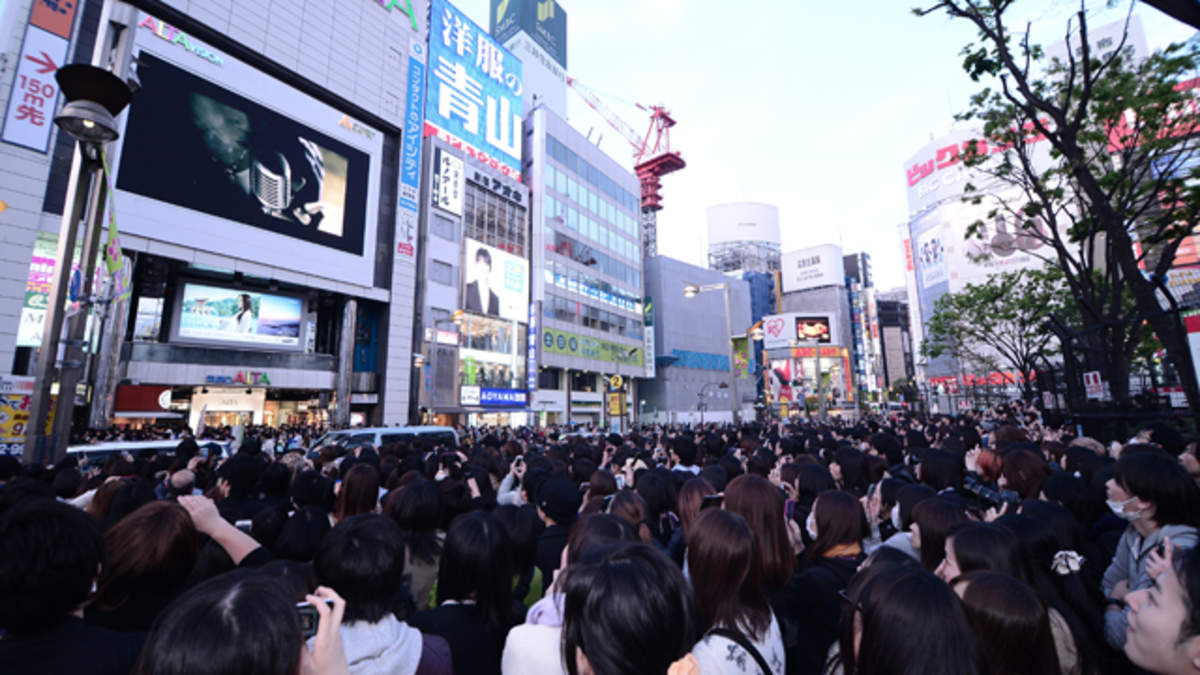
95	97
691	291
700	405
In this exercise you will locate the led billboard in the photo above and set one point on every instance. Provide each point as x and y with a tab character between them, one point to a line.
192	143
227	315
495	283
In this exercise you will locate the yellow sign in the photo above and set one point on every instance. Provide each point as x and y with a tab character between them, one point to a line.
616	382
14	420
616	404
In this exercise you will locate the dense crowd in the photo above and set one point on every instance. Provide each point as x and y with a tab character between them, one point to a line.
997	544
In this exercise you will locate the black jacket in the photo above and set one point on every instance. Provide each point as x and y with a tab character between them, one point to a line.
809	611
71	647
475	644
549	551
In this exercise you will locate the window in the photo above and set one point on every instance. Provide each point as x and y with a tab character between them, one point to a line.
443	227
441	272
561	182
549	378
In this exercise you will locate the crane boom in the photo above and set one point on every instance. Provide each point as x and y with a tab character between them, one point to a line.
593	101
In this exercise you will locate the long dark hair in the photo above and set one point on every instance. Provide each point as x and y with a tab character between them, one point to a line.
935	517
477	564
936	638
629	610
885	561
359	492
1011	623
151	550
840	520
761	504
726	573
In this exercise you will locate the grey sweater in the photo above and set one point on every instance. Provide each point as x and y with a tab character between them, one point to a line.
1129	565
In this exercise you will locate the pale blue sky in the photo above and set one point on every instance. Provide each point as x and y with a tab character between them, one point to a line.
812	106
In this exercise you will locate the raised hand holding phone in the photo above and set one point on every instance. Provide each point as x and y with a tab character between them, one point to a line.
325	655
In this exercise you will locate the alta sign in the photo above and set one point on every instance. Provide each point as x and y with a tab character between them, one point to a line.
249	377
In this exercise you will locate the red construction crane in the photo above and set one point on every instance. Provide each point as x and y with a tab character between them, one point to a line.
652	154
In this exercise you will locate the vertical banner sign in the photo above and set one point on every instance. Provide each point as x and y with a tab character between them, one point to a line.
410	153
475	88
33	98
531	350
648	332
743	361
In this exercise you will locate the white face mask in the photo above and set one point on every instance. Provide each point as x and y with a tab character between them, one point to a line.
896	518
811	525
1119	509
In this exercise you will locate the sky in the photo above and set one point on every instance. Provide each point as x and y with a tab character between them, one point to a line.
811	106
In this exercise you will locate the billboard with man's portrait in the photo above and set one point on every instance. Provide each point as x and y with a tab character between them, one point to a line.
495	283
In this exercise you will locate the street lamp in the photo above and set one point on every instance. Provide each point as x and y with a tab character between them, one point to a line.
94	97
703	392
691	291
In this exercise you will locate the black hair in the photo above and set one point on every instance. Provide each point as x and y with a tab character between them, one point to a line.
276	479
301	534
988	546
908	497
241	472
417	509
310	488
482	254
362	558
243	622
811	480
1011	622
936	639
941	469
685	449
266	525
477	564
522	526
1161	480
853	468
49	555
628	609
887	445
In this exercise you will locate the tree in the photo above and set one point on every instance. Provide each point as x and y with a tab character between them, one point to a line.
998	322
1122	187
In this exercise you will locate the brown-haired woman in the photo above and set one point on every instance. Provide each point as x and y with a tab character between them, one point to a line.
630	507
761	504
740	632
691	498
359	493
151	553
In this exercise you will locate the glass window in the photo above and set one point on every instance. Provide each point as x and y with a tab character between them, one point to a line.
560	182
593	203
572	161
441	272
572	218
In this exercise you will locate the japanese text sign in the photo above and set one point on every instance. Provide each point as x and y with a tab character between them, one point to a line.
33	98
475	87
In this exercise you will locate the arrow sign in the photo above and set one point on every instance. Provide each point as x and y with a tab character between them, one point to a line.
47	64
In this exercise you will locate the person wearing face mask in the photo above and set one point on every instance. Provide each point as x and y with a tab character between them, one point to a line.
1159	500
809	606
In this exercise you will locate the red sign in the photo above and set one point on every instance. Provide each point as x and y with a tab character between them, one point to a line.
142	398
56	16
952	154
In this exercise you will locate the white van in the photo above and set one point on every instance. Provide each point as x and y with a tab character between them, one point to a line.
381	436
98	453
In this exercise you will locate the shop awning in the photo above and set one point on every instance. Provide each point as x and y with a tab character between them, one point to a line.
148	414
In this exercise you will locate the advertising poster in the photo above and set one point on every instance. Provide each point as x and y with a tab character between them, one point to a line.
196	145
569	344
743	359
779	382
37	289
786	330
219	314
931	256
813	329
811	268
475	87
495	283
15	394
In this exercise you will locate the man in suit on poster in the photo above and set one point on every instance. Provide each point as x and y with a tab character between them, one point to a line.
481	286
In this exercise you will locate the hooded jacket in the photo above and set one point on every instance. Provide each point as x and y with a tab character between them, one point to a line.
1129	564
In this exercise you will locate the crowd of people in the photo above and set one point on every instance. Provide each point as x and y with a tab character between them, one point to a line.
989	545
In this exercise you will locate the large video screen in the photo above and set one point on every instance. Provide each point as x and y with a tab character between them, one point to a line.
194	144
813	329
216	314
496	283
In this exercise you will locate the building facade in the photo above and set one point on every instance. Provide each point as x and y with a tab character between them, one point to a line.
691	350
263	188
589	291
895	337
743	237
864	324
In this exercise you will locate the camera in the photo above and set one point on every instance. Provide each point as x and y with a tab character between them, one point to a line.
309	618
994	498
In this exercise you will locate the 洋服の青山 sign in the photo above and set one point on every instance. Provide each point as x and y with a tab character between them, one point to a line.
247	378
175	36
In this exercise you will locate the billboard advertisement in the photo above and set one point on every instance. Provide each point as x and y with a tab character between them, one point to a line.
227	315
448	182
743	221
781	331
779	382
495	283
811	268
543	20
197	145
475	87
571	344
37	289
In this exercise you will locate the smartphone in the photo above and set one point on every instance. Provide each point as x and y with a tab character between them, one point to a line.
871	490
711	500
620	481
789	510
309	618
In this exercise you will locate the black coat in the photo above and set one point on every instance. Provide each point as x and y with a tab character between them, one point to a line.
71	647
809	611
550	545
475	644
